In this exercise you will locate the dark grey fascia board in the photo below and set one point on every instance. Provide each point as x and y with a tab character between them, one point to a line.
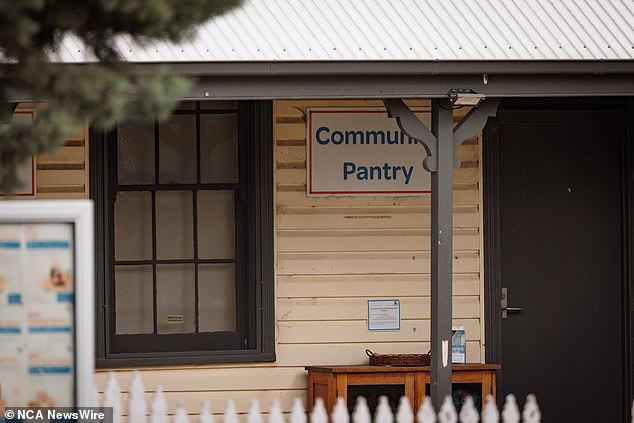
436	67
407	86
315	86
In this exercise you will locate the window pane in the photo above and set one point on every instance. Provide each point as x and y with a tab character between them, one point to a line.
177	150
216	224
133	226
216	297
133	290
174	225
218	148
135	153
175	297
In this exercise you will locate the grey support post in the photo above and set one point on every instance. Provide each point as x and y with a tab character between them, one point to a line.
441	251
441	145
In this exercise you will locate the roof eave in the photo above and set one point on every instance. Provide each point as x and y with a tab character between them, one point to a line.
384	67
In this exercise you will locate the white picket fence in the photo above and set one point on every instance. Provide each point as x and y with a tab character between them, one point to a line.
138	413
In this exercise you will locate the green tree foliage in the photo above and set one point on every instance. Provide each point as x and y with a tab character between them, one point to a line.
101	92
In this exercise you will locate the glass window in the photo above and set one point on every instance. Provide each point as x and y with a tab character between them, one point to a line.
183	274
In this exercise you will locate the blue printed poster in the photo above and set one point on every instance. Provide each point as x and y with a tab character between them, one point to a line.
36	315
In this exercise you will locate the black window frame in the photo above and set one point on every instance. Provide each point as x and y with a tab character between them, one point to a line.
255	135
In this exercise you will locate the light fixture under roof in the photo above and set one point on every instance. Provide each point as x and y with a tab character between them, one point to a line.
464	97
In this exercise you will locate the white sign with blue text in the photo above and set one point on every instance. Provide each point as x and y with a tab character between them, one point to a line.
384	314
361	151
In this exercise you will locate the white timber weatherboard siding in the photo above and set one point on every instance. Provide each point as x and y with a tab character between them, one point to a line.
335	253
331	256
63	173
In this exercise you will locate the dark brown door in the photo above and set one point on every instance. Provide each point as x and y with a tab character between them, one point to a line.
559	243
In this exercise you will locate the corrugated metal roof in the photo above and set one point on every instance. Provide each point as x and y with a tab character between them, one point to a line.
397	30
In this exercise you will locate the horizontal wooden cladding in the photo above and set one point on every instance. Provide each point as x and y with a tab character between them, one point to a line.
354	354
298	198
298	240
214	379
58	165
298	107
61	195
351	331
301	187
218	400
58	189
61	174
364	286
64	154
74	143
335	253
328	309
353	217
362	262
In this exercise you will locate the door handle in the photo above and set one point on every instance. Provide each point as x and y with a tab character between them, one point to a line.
505	308
513	309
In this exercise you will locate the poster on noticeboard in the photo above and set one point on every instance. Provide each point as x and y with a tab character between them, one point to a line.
38	313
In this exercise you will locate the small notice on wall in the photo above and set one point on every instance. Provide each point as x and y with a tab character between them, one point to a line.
384	314
362	151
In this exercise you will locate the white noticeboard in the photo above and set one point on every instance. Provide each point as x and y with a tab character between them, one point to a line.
361	151
46	303
384	314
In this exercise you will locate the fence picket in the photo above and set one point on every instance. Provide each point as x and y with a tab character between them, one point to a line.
490	414
275	413
361	412
426	413
136	399
205	415
340	412
230	416
254	415
510	412
158	407
404	413
319	414
180	414
297	413
531	413
468	413
447	413
383	412
112	397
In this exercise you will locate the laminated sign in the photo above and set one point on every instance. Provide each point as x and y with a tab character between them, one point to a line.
361	151
46	304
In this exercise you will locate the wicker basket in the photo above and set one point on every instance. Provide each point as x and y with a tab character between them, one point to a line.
398	359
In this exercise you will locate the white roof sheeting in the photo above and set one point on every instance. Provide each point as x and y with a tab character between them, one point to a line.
399	30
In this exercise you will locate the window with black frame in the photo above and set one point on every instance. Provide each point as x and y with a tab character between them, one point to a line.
186	207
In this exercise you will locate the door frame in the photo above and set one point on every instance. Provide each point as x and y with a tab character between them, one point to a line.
491	232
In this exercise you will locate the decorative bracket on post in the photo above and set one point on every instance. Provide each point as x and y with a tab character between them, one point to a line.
413	127
472	124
